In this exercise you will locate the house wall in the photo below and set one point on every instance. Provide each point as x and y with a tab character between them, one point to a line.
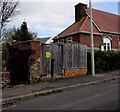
76	38
85	39
114	42
98	41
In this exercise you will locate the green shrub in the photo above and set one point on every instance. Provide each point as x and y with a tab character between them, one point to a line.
104	61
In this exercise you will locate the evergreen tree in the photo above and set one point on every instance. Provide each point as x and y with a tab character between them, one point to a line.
23	34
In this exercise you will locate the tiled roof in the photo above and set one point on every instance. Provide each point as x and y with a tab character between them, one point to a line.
86	26
43	40
103	21
73	28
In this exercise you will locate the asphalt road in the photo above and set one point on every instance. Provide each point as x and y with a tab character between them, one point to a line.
103	96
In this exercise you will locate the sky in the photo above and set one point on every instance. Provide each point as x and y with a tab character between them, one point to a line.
48	18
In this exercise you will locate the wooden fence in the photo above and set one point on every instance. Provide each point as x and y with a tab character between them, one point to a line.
55	58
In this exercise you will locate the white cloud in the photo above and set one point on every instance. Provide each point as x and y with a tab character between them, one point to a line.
57	29
83	1
38	26
45	16
46	12
52	0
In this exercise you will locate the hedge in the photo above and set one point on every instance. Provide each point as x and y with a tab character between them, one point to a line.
104	61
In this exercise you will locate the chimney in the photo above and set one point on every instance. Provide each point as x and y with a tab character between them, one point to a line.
80	11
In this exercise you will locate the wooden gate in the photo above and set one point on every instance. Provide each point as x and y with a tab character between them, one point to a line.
57	57
51	61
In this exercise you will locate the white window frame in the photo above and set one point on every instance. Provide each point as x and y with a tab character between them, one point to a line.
61	41
106	44
69	39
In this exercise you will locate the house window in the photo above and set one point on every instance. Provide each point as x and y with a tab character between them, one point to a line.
61	41
69	40
104	47
107	44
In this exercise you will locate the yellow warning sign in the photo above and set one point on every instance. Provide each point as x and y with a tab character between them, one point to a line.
48	54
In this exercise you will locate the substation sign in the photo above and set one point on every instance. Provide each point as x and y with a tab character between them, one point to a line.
48	54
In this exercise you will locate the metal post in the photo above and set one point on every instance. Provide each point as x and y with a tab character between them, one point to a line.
92	41
0	19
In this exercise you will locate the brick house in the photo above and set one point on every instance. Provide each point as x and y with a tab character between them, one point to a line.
105	29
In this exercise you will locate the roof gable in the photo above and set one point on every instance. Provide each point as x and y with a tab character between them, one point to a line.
86	26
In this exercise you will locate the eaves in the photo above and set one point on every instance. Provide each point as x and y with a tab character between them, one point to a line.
78	32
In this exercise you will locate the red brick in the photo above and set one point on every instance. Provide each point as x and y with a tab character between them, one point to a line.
74	72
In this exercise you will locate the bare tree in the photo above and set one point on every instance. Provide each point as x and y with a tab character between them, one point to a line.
8	10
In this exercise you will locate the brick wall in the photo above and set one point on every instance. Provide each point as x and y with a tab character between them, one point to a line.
85	39
74	72
114	41
34	58
35	67
33	46
4	78
76	38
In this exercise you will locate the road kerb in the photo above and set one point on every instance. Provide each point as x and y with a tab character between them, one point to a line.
11	101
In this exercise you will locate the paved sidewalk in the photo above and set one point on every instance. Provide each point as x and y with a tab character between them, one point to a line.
8	93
